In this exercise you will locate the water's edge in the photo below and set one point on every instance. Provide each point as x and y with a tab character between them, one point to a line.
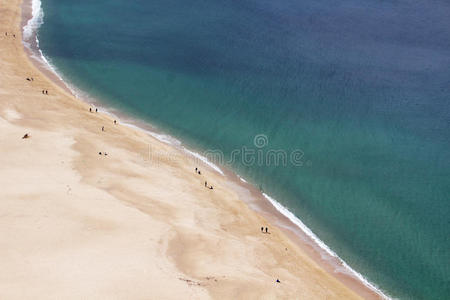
277	214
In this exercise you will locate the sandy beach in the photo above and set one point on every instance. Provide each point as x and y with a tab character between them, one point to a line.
137	223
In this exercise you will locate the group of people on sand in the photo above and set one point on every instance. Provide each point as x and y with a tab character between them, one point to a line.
31	79
103	129
96	110
206	183
13	35
264	230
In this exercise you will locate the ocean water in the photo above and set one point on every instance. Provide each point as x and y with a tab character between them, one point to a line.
355	94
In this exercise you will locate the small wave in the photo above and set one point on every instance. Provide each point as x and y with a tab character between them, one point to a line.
166	139
30	31
242	179
204	160
284	211
36	20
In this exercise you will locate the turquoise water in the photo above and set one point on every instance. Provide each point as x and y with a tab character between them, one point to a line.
360	88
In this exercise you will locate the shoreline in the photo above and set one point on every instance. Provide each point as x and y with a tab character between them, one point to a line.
252	197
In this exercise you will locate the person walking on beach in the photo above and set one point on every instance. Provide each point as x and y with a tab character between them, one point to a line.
103	128
196	169
262	229
266	230
206	184
96	110
115	122
90	109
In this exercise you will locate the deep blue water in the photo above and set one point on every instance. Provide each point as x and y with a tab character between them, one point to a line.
361	87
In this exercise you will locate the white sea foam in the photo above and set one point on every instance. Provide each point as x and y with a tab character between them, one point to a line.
347	269
166	139
30	30
204	160
242	179
36	20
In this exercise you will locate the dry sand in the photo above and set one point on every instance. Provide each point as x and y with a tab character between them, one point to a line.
135	224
